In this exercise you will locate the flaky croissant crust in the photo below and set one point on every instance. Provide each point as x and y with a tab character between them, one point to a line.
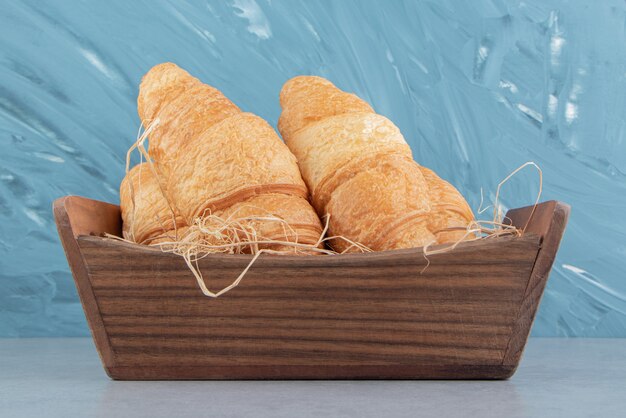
213	159
361	172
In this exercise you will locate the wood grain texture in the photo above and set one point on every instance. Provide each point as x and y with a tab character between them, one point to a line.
76	216
549	220
377	315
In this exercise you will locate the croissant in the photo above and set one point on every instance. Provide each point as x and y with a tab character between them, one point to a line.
360	171
147	217
215	159
184	106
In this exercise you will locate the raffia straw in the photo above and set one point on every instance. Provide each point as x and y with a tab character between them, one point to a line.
139	145
141	137
192	249
477	229
517	170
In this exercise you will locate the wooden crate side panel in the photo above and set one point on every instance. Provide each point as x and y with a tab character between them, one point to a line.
381	311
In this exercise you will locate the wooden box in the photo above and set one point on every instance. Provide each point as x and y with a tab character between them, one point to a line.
356	316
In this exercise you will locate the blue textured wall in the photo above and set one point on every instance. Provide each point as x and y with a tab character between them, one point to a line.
477	87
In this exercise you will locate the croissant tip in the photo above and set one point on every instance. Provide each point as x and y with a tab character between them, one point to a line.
163	66
304	81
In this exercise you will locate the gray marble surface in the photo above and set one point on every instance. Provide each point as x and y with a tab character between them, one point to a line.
557	378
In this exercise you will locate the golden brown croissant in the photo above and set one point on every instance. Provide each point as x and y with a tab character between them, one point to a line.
147	217
184	105
360	170
218	160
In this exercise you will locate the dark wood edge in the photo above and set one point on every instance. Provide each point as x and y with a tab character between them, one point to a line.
412	255
548	221
295	372
68	235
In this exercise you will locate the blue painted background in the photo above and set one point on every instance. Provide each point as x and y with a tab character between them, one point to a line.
476	87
